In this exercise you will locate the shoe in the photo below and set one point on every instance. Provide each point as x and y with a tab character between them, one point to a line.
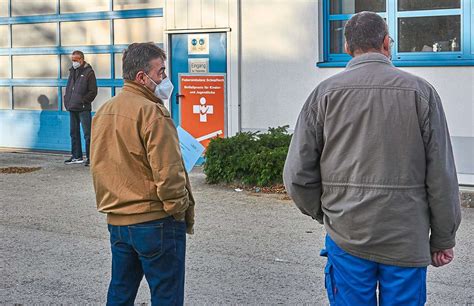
87	162
73	161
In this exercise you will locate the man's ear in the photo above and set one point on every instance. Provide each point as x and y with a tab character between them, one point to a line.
386	43
348	51
139	77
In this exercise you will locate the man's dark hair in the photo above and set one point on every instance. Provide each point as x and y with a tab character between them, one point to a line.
365	31
137	58
80	53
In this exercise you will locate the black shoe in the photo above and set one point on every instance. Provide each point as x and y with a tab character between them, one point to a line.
87	162
73	160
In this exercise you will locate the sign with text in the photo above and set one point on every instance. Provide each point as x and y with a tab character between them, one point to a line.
198	65
202	105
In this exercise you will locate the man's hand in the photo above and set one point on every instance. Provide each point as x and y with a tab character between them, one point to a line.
443	257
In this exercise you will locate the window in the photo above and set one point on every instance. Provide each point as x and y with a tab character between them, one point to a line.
37	42
137	4
127	31
34	35
35	66
426	32
33	7
35	98
85	33
99	62
103	95
4	67
78	6
118	65
3	8
5	98
4	36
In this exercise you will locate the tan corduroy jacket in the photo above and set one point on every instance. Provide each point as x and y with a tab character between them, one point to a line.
136	162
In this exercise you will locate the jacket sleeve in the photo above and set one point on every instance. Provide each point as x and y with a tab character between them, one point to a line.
164	157
301	173
441	179
91	88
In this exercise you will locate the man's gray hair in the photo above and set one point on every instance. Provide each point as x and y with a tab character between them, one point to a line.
365	31
137	58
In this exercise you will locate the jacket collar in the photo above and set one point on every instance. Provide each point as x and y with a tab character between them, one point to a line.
141	90
86	65
369	57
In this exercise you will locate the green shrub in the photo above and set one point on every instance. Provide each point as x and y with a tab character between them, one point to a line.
248	158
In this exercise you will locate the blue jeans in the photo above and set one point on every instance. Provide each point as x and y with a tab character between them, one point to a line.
155	249
352	280
75	121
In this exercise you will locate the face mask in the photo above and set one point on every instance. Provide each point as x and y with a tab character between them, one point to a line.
76	65
164	89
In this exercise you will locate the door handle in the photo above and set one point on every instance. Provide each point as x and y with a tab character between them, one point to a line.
178	96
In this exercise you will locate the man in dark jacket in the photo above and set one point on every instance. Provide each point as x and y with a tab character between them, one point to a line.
371	159
81	90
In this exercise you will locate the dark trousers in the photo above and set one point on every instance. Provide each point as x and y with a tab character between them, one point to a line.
76	119
156	249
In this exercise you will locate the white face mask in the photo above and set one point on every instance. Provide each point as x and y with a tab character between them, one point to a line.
76	65
164	89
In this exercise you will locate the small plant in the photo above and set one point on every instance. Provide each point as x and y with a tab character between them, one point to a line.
248	158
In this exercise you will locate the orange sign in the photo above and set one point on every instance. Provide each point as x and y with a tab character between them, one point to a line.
203	106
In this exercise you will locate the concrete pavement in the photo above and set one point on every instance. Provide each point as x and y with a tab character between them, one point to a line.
248	248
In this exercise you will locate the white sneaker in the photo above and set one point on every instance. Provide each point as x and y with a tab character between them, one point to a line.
74	161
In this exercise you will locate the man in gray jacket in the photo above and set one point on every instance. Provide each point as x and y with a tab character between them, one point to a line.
371	159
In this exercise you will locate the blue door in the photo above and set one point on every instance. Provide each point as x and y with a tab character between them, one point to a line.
185	52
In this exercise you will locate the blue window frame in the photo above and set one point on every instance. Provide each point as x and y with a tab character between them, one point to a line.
426	33
59	82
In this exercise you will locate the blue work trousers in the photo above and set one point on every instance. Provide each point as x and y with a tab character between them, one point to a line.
353	281
155	249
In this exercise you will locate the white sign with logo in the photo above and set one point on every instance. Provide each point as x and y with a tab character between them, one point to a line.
198	65
198	44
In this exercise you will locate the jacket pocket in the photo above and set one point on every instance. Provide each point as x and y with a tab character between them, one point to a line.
147	240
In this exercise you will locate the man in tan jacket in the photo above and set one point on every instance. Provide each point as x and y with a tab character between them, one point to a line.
141	184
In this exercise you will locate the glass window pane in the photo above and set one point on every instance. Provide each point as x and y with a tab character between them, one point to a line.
103	95
4	36
99	62
118	90
118	65
3	8
127	31
78	6
95	32
4	67
355	6
5	98
34	35
35	66
337	36
35	98
414	5
33	7
137	4
429	34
